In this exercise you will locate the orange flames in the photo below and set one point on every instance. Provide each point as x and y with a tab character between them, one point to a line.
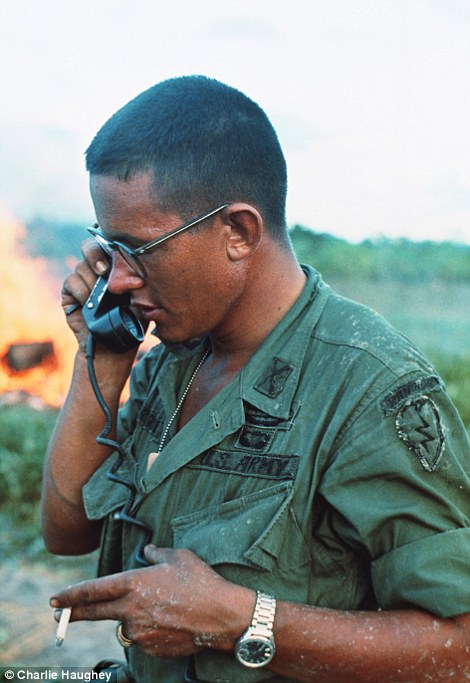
33	326
30	312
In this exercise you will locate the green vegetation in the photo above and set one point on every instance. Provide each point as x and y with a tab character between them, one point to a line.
456	375
382	259
24	434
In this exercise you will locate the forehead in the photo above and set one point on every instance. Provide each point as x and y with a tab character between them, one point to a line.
129	207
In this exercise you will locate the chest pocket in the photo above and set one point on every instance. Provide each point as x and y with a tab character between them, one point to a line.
241	537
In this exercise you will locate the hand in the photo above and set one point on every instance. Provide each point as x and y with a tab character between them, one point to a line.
175	607
78	285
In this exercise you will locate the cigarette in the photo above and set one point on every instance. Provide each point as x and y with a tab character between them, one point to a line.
62	627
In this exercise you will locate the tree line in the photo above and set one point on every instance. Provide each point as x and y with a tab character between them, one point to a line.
383	258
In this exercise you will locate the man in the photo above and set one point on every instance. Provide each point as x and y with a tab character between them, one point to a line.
293	475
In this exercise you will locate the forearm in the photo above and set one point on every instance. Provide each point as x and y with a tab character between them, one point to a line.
312	644
366	647
74	455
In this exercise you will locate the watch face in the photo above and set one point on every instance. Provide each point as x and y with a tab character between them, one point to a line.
255	652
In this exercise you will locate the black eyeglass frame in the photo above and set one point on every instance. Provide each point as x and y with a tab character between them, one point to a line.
131	256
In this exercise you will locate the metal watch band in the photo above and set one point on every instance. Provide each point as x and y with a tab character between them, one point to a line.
263	616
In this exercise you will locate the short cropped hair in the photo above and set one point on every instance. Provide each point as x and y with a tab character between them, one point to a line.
206	143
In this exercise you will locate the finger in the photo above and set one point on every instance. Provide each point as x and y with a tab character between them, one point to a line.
156	555
87	271
105	589
100	611
72	297
72	308
77	286
95	257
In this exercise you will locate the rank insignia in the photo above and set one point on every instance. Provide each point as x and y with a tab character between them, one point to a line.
272	381
419	425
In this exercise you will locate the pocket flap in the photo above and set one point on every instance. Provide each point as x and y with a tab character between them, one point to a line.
101	495
247	531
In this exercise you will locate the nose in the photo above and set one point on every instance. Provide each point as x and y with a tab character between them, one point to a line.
122	278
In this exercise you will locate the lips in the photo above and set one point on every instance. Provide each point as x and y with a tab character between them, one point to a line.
146	311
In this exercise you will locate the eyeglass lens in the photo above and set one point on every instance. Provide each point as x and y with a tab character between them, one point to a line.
132	260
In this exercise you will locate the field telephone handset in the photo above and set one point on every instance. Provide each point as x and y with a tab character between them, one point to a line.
110	320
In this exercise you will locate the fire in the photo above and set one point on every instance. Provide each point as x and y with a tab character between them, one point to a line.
37	348
30	313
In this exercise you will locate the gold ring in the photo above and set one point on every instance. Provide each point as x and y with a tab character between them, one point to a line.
122	640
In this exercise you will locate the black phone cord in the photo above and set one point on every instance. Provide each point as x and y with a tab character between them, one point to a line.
102	439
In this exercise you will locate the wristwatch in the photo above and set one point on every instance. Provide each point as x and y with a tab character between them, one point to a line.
256	646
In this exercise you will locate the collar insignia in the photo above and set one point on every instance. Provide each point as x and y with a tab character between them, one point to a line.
273	380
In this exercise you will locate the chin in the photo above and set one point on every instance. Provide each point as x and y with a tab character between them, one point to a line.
172	336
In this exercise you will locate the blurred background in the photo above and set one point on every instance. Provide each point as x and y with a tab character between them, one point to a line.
371	102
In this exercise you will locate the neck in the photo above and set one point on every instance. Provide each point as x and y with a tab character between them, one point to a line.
269	293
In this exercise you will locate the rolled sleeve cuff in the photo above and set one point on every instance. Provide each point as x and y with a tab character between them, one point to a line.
431	574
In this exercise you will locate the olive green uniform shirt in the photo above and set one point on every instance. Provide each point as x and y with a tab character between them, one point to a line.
332	470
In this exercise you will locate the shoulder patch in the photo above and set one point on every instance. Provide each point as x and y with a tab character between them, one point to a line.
418	424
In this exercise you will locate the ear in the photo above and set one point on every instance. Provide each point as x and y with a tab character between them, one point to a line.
246	229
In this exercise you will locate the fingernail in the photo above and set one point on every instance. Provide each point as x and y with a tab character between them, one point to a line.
101	267
54	602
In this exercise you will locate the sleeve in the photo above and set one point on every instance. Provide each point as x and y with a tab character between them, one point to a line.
399	487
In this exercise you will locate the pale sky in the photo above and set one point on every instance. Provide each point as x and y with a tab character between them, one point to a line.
370	99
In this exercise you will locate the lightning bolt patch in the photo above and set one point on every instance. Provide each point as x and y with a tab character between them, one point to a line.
419	425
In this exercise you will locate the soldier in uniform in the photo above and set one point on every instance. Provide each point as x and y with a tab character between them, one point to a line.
285	495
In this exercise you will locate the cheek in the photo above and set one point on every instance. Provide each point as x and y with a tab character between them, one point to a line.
199	280
204	294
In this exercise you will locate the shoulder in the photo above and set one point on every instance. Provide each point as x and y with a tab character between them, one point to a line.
151	359
361	334
152	362
148	364
364	363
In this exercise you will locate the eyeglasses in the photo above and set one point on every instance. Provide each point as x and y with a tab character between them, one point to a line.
131	256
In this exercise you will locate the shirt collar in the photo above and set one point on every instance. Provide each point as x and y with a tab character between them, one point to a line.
271	376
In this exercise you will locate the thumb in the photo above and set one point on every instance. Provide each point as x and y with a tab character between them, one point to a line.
155	555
